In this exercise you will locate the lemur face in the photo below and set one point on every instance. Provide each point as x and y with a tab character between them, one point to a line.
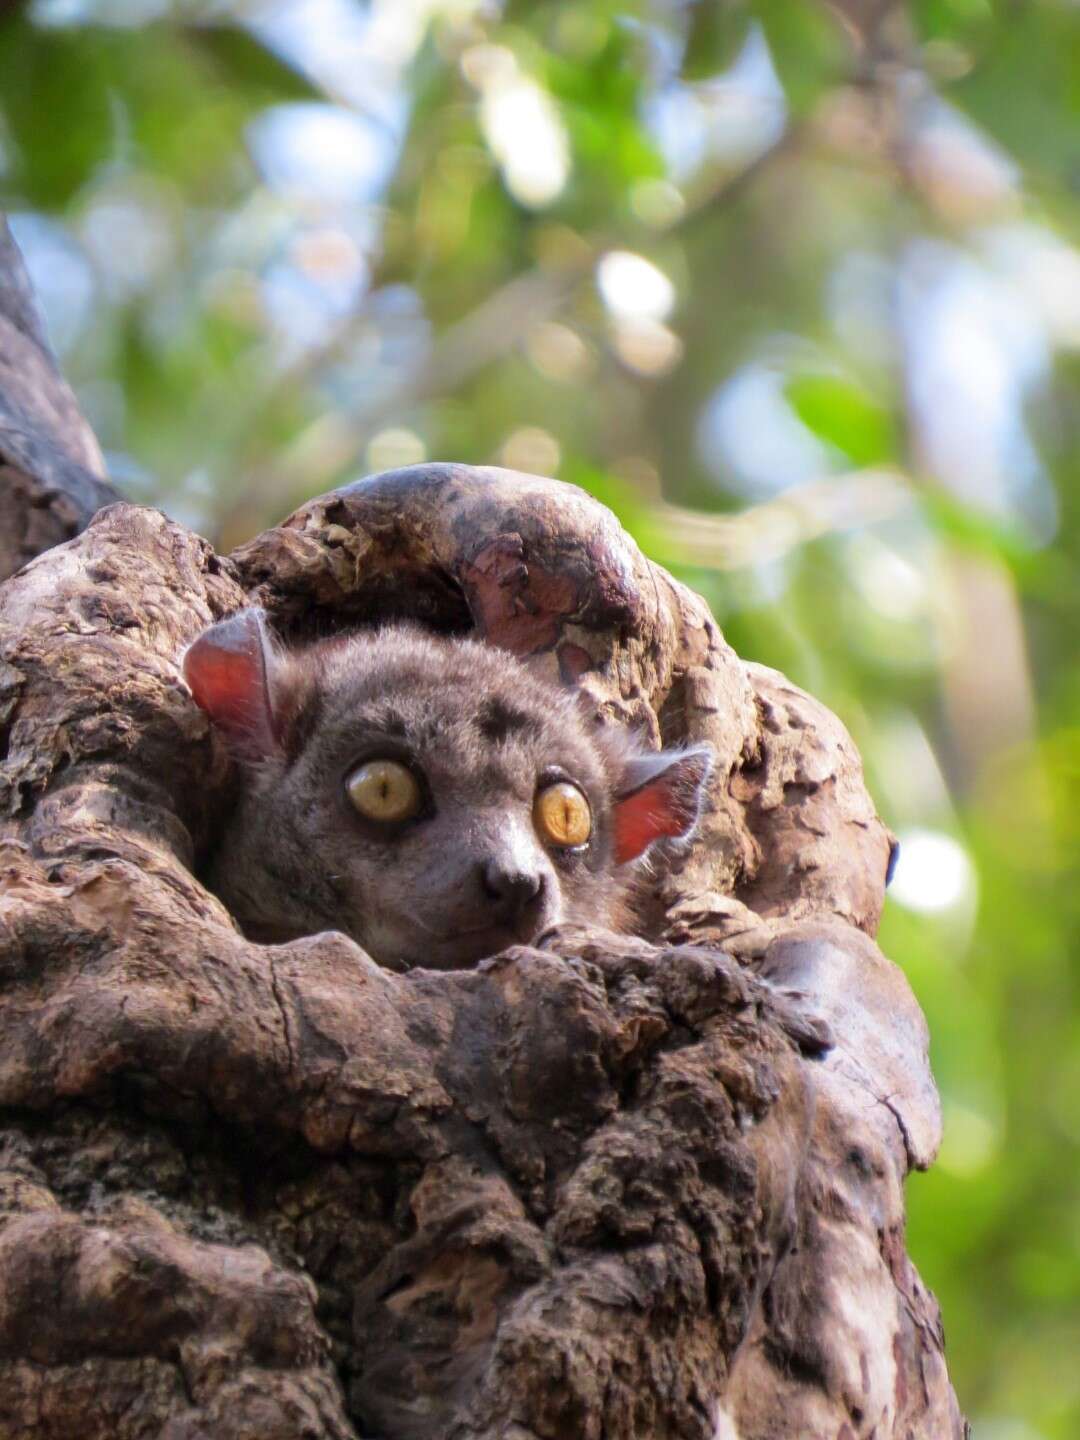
430	797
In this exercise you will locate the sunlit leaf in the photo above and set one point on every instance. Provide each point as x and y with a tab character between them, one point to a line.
808	48
241	61
844	416
717	32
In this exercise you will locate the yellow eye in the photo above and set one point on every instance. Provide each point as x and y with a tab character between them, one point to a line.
561	815
384	790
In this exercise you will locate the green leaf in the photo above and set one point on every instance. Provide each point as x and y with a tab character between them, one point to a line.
172	100
977	531
949	19
808	48
844	416
718	31
1024	88
243	62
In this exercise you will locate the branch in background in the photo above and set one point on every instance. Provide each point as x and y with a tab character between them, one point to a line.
768	531
330	444
493	330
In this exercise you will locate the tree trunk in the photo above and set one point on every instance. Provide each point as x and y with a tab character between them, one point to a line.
50	465
609	1188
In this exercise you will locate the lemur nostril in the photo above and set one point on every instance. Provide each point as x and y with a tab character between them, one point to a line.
509	890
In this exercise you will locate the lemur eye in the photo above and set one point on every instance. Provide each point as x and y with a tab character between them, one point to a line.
561	814
384	790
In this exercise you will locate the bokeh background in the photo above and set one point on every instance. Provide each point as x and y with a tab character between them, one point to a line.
793	287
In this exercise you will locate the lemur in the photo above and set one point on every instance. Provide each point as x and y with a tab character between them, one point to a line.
428	796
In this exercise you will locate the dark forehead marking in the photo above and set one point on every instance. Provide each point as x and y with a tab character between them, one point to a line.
498	718
393	724
452	696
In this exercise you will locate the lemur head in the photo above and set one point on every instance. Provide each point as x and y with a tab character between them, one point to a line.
430	797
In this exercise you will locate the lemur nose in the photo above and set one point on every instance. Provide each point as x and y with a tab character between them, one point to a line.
510	891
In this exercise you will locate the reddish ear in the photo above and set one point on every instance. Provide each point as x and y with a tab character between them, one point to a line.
230	669
661	798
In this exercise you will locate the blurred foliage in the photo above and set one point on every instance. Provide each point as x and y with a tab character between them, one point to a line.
792	288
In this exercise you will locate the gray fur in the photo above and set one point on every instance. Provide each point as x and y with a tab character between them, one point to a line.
458	882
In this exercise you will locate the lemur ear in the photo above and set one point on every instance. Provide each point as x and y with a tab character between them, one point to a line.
234	670
660	796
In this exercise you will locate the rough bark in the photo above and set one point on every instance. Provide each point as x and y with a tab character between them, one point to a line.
617	1188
